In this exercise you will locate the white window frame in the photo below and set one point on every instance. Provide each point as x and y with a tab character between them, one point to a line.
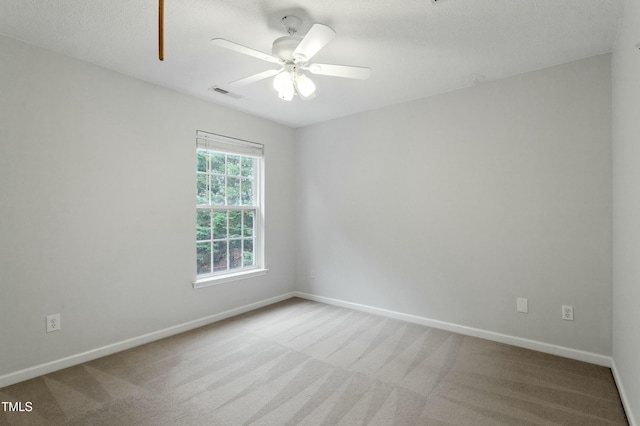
224	144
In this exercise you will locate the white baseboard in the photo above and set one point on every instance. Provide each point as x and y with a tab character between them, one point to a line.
623	395
38	370
576	354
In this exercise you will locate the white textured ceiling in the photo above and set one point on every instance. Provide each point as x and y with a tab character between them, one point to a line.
416	48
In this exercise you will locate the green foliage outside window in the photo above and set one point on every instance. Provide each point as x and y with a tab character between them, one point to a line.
225	236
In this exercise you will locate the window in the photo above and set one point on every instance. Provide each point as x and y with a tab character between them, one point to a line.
228	207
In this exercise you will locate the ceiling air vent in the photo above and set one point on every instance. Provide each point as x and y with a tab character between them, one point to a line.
224	92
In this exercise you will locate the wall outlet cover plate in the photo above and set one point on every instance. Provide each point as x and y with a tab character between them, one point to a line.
567	313
522	305
53	323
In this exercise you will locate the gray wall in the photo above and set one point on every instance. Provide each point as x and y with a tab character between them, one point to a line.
97	211
450	207
626	208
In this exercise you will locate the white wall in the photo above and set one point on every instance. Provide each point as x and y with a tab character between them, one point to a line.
626	208
450	207
97	217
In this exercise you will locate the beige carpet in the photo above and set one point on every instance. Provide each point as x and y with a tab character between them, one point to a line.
301	362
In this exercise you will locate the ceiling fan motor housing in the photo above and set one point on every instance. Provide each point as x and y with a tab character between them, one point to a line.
283	47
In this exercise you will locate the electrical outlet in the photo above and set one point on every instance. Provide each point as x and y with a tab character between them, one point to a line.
522	305
53	323
567	312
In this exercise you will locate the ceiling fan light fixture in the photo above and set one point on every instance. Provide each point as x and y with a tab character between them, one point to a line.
282	80
287	92
304	85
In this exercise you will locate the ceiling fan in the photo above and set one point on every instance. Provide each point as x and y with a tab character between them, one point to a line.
293	54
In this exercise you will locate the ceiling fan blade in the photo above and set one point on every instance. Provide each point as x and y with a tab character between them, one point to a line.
317	37
246	50
346	71
255	77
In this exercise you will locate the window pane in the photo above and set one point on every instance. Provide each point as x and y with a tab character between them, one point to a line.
204	225
217	162
203	256
247	192
247	166
217	190
235	224
219	256
201	189
233	191
219	225
202	160
247	253
248	224
235	254
233	165
225	234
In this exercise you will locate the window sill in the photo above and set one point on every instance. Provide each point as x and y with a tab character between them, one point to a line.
226	278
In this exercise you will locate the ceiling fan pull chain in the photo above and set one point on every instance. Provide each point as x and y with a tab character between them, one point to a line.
161	30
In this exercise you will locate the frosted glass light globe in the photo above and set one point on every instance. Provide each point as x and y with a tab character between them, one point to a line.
304	85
